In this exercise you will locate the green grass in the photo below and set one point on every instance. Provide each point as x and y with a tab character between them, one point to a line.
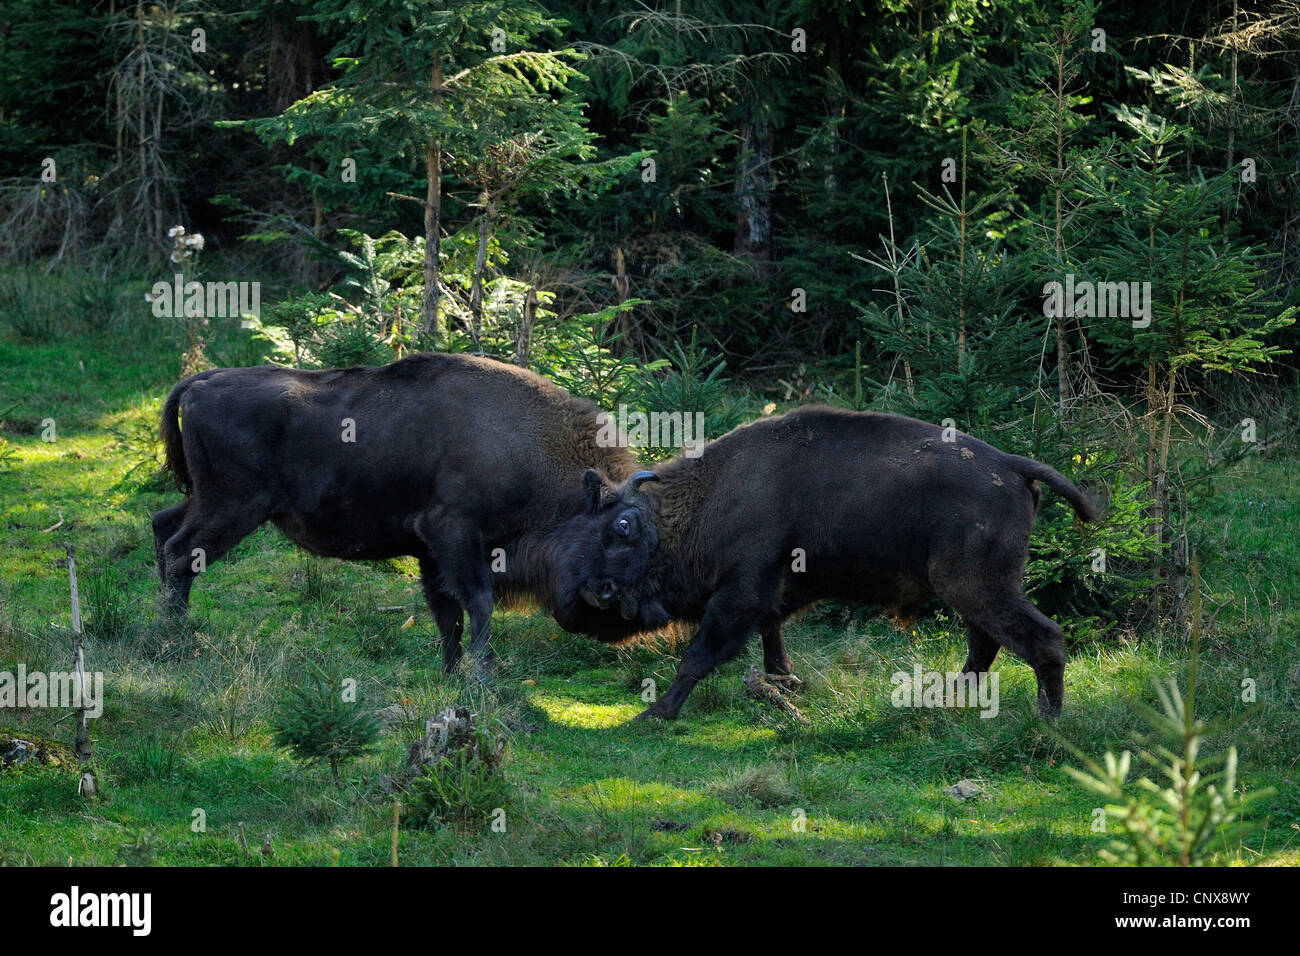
185	726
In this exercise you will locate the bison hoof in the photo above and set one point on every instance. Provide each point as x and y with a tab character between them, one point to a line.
1047	709
653	712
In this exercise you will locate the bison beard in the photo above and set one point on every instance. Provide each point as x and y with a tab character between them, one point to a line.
869	508
445	458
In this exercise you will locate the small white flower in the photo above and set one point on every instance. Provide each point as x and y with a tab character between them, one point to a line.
175	231
195	241
148	296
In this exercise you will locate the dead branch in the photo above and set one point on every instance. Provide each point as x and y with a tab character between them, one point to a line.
758	687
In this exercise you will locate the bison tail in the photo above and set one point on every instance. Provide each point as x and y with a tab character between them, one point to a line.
1079	500
170	431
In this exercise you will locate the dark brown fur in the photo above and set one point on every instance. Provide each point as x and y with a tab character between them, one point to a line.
876	509
454	457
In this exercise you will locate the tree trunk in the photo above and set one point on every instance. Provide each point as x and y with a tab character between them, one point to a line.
524	334
961	267
480	266
754	193
432	217
1156	457
1062	329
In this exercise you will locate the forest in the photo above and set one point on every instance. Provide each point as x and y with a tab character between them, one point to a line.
1069	228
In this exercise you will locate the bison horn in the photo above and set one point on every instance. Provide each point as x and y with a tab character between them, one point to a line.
636	481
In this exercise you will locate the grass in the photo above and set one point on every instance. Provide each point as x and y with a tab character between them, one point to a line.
184	739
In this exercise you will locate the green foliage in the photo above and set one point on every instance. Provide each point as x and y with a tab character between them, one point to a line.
1192	811
582	356
957	346
41	99
141	851
1209	312
367	323
348	342
29	306
293	325
156	758
692	382
1092	570
318	725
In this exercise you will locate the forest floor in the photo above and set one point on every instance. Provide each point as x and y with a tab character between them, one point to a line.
186	723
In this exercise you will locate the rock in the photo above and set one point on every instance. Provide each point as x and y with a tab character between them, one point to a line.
963	790
17	751
664	825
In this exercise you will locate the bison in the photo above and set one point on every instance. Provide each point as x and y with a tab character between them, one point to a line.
864	507
469	465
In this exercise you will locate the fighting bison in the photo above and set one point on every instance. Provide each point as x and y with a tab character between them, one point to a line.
819	503
471	466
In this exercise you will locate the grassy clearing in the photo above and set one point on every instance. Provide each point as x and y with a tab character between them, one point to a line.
185	726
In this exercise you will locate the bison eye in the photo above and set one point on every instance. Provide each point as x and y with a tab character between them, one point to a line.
624	526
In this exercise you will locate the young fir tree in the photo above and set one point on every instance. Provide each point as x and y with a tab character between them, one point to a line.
1160	235
430	81
947	317
319	724
1038	141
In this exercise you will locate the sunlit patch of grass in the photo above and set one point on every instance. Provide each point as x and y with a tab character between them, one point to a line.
575	713
592	788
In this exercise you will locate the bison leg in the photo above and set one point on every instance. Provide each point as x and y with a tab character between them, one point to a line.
1039	640
776	662
981	650
724	629
165	524
447	613
1032	636
467	578
200	540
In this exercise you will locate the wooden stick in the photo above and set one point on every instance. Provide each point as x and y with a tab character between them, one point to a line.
87	786
397	822
756	686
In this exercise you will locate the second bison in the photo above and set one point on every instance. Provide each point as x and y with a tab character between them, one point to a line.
820	503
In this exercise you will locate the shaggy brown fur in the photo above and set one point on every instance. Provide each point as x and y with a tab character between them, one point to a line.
821	503
453	458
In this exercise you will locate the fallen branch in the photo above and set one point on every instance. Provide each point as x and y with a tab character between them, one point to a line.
57	524
757	686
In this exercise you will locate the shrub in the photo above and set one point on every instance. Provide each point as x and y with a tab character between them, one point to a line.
30	308
318	725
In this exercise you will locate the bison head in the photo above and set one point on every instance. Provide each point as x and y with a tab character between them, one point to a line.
607	550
